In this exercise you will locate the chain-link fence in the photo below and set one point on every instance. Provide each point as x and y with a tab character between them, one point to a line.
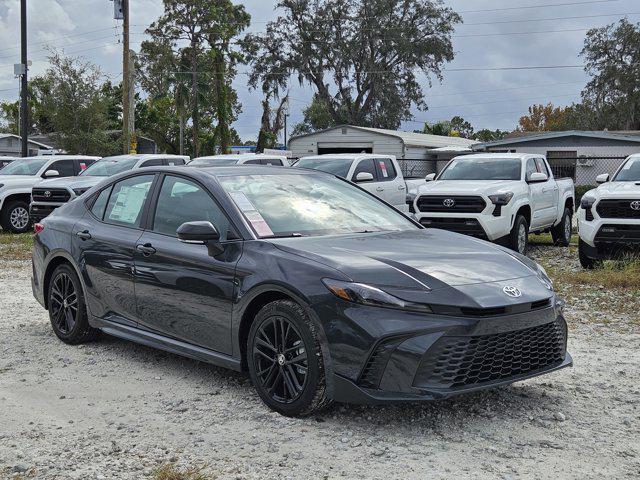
418	167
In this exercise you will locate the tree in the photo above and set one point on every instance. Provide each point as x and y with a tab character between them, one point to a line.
463	128
271	122
486	135
612	58
543	118
361	56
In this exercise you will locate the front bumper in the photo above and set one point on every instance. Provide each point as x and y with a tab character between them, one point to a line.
481	225
426	357
39	210
605	238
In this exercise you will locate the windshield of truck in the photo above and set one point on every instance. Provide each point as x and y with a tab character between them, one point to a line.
482	169
335	166
630	172
110	166
24	167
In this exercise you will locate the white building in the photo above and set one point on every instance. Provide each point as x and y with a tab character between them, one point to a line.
10	145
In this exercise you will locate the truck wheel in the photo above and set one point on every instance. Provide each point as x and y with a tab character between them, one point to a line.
519	236
561	233
585	261
15	217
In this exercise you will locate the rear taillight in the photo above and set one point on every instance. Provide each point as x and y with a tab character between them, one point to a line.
37	228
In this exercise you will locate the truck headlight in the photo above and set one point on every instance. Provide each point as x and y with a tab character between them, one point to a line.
372	296
80	191
501	198
587	202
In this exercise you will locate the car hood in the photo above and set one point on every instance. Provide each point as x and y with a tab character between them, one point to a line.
429	265
71	182
17	181
467	187
619	189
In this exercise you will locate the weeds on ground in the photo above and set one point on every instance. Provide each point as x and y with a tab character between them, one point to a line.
545	239
170	471
15	247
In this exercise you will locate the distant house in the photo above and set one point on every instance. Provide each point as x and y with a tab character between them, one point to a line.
418	153
580	154
11	145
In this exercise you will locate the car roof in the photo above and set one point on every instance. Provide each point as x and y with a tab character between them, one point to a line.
213	171
239	156
146	156
348	156
62	157
501	155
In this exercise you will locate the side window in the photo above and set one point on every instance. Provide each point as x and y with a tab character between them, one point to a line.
84	164
253	162
173	161
272	161
152	163
542	168
64	167
100	202
386	170
366	166
183	201
127	201
531	167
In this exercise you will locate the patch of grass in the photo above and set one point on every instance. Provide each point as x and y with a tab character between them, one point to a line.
545	239
15	247
611	274
170	471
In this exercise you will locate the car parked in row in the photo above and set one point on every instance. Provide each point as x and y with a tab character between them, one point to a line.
225	160
18	178
500	197
379	174
312	285
48	195
609	216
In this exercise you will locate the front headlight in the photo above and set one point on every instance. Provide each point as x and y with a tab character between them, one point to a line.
501	198
372	296
544	278
587	202
80	191
1	185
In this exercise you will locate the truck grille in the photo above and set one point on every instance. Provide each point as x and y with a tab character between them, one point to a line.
456	362
618	209
451	204
53	195
466	226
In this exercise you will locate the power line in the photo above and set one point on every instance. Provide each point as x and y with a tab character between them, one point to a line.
552	19
549	5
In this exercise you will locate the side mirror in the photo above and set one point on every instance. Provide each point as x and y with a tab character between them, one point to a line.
198	232
431	177
364	177
51	173
537	177
602	178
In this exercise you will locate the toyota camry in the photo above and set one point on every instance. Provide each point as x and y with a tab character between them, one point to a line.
316	288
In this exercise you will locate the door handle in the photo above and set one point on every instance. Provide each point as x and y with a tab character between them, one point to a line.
401	187
146	249
84	235
380	189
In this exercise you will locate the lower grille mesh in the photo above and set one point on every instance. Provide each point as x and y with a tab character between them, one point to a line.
465	361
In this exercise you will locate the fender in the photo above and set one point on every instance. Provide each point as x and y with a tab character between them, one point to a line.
519	203
56	254
14	191
245	300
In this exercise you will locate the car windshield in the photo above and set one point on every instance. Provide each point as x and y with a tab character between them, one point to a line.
630	172
336	166
300	205
212	162
482	169
109	166
24	167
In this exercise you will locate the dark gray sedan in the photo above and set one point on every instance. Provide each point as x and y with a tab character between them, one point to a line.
316	288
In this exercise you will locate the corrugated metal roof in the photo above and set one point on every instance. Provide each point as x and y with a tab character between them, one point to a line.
631	137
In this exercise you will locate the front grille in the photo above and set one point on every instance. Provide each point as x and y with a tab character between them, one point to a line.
442	203
457	362
617	209
466	226
54	195
491	311
38	212
611	233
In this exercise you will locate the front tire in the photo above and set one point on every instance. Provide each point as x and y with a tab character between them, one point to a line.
519	236
15	217
285	360
586	262
561	233
67	308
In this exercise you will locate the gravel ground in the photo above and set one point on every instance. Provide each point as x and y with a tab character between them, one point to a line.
112	409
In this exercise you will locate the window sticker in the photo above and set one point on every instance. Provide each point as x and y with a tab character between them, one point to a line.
383	167
258	223
83	166
241	200
628	165
128	204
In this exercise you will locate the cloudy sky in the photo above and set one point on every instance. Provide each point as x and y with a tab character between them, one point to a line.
481	84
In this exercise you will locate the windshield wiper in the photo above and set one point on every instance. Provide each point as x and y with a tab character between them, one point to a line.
288	235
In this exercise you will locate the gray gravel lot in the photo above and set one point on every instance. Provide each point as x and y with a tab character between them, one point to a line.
112	409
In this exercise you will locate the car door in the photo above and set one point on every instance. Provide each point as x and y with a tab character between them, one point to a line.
105	240
367	165
535	195
183	291
65	168
549	197
394	186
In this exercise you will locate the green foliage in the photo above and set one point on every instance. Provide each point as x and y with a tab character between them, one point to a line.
581	190
486	135
317	116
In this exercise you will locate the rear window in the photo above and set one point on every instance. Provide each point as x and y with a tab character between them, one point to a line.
336	166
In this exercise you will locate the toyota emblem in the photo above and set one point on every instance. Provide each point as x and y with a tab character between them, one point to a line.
47	193
512	291
448	202
635	205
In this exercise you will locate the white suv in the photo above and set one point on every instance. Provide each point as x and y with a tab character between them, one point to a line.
609	216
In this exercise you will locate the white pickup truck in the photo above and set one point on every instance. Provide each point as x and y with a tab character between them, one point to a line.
499	197
609	216
378	174
17	179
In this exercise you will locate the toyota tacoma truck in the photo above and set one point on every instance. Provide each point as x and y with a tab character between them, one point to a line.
609	216
378	174
500	197
18	177
48	195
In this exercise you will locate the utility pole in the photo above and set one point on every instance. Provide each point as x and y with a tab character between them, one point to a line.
128	85
24	114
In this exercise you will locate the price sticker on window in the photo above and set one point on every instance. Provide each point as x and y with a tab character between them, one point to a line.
383	168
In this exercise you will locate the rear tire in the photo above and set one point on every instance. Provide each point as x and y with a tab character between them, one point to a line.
67	308
561	233
285	360
15	217
586	262
519	236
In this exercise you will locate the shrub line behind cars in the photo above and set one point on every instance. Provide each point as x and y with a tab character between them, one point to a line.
318	289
